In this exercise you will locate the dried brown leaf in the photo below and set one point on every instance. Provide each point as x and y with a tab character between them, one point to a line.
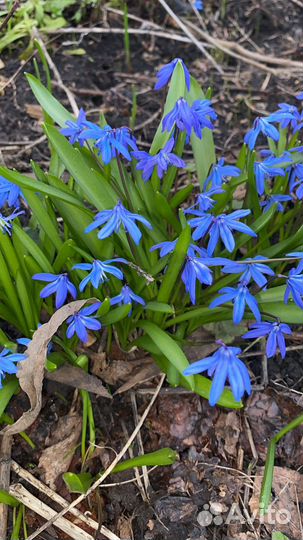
146	372
55	460
77	378
31	372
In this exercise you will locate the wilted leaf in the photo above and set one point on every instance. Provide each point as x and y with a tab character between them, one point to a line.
77	378
31	371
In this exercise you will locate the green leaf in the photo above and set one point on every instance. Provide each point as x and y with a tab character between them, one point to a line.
9	500
32	249
116	315
289	313
44	220
10	387
78	483
277	535
168	347
160	307
203	149
163	457
47	101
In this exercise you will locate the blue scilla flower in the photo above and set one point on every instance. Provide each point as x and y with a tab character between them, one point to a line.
99	271
196	268
291	113
277	200
198	4
219	174
6	221
82	321
250	269
294	286
220	226
165	74
164	159
75	129
267	169
204	200
114	219
127	296
261	125
297	255
59	285
165	247
224	365
10	193
110	142
239	296
296	180
181	116
275	336
8	361
203	113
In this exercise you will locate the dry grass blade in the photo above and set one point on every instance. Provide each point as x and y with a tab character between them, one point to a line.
31	372
108	470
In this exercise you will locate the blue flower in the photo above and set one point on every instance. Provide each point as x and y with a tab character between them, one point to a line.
5	221
9	193
81	322
165	247
251	270
99	271
59	284
291	115
162	161
224	364
275	332
8	361
111	142
164	75
127	296
297	255
116	217
299	96
271	200
198	4
181	115
267	169
219	174
261	125
296	180
220	226
204	200
196	268
239	296
294	286
202	112
75	129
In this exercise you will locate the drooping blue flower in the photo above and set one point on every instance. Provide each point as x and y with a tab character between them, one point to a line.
239	296
219	174
59	284
110	142
271	200
8	361
196	268
165	74
99	271
220	226
114	219
75	129
294	287
6	221
165	247
10	193
297	255
261	125
299	96
296	180
275	332
267	169
224	364
204	200
198	4
82	321
164	159
250	269
292	116
127	296
203	113
181	116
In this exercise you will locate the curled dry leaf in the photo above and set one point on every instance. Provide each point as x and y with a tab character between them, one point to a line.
77	378
31	372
